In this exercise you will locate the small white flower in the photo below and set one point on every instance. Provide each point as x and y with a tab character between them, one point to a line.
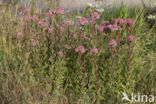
78	17
90	5
100	10
152	17
96	5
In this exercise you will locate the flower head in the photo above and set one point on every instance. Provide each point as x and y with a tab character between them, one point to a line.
27	18
35	19
85	38
112	43
130	21
50	30
19	35
90	5
131	38
80	49
49	13
1	3
100	28
95	15
25	9
33	43
100	10
68	23
42	23
83	21
114	27
60	54
94	50
59	11
105	23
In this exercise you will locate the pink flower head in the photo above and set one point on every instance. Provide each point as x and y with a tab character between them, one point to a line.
33	43
49	13
95	15
59	11
42	23
83	21
25	9
131	38
86	38
68	23
114	27
100	28
112	43
60	53
105	23
27	18
19	35
1	3
50	30
35	19
130	21
37	12
80	49
67	46
94	50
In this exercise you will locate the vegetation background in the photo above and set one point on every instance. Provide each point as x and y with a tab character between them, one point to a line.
37	75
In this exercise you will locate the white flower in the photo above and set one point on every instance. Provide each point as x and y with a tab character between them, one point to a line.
78	17
90	5
96	5
100	10
151	17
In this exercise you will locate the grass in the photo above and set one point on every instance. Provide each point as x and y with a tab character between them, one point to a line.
37	68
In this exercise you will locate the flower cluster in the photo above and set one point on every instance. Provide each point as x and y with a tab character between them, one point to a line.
95	15
80	49
25	9
83	21
94	50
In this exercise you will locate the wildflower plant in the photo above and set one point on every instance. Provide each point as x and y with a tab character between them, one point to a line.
88	59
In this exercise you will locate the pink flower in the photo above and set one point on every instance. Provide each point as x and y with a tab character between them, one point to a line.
49	13
80	49
100	28
27	18
35	19
114	27
67	46
112	43
37	12
131	38
59	11
19	35
42	23
94	50
68	23
33	43
130	21
119	21
105	23
95	15
83	21
50	30
86	38
25	9
1	3
60	53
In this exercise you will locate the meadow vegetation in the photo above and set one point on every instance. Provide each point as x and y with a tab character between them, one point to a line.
55	57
